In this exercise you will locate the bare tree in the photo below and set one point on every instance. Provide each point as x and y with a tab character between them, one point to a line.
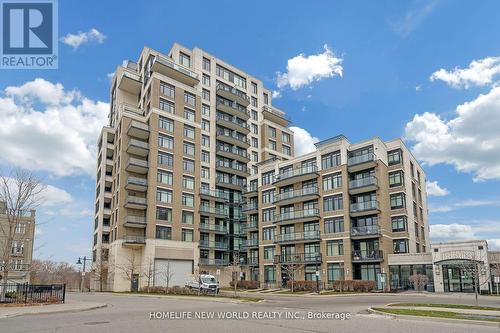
166	274
291	269
49	272
130	268
418	281
20	191
474	267
235	269
149	273
101	272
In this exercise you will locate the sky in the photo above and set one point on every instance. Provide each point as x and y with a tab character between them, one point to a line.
425	71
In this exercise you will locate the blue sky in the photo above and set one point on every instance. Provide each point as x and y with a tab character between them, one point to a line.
390	54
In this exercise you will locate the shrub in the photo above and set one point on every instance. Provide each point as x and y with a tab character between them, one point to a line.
354	285
246	284
176	290
302	285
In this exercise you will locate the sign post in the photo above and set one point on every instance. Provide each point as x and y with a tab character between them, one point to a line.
497	281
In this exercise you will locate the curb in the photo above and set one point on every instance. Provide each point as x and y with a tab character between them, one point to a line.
441	320
12	315
202	298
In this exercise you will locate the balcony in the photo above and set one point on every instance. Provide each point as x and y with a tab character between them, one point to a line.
250	191
367	184
180	73
298	237
367	256
298	258
233	94
364	208
232	183
136	165
135	221
296	175
252	261
215	228
240	155
366	231
139	130
220	246
297	216
134	241
213	262
250	208
213	211
136	202
275	115
360	162
233	168
138	147
130	82
136	184
232	123
290	197
251	225
249	243
233	138
216	195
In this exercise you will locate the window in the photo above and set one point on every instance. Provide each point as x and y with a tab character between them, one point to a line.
164	177
163	232
166	124
332	181
335	272
394	157
255	115
187	235
167	106
269	274
330	160
206	64
230	76
335	248
165	141
205	141
255	143
20	228
398	223
167	89
255	156
400	246
188	182
205	173
268	215
268	196
254	101
187	217
396	178
269	253
287	150
164	196
267	177
189	99
188	165
333	202
17	247
254	87
189	131
206	95
271	131
285	137
266	99
205	110
187	200
205	156
164	214
184	59
412	170
334	225
206	80
398	201
268	233
189	115
205	125
188	148
272	145
165	159
255	129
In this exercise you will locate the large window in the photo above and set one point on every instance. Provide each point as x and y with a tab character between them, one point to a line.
187	200
267	178
188	182
334	225
164	177
167	106
330	160
164	196
163	232
269	253
400	246
398	201
188	148
395	157
332	181
167	89
165	141
184	59
271	131
189	115
187	217
187	235
189	131
335	248
189	99
269	274
188	165
396	178
166	124
206	64
268	215
165	159
164	214
335	272
333	202
268	233
268	196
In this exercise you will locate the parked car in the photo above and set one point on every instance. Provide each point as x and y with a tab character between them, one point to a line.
205	283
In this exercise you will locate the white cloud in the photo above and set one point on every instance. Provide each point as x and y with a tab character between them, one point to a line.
52	196
303	141
418	88
463	204
45	127
303	70
479	73
470	141
433	189
414	17
276	94
451	231
494	244
80	38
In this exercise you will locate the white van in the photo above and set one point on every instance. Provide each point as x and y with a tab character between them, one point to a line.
206	283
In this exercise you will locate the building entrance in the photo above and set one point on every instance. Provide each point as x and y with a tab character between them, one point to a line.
458	278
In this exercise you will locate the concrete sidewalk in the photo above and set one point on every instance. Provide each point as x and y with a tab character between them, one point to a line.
69	306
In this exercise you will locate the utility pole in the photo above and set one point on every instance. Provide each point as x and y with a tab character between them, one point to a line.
79	262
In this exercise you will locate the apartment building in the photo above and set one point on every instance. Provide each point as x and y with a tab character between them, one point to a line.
185	132
21	247
338	212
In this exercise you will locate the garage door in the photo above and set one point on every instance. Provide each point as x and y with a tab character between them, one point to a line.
176	272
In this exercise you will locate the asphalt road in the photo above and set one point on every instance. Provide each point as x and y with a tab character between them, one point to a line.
131	313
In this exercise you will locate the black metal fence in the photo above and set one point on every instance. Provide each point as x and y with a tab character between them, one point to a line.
32	293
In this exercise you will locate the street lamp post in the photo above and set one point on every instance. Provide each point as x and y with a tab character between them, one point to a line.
79	262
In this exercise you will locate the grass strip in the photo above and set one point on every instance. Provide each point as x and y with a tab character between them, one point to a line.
437	314
449	306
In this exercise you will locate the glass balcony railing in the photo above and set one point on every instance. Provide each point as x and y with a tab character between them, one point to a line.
374	255
213	227
296	172
360	159
298	258
214	262
251	242
314	212
297	193
298	236
170	63
233	91
233	150
362	182
362	206
214	193
232	165
249	206
213	210
134	239
233	120
232	135
365	230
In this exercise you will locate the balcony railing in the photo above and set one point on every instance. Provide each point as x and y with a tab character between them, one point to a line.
362	206
374	255
296	172
213	227
251	225
137	181
362	182
251	261
249	206
232	150
138	162
314	212
234	121
251	242
298	258
214	193
297	193
135	219
298	236
139	143
136	200
233	181
232	165
214	262
228	134
274	111
360	159
179	68
238	109
251	188
366	230
134	239
233	91
214	245
213	210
